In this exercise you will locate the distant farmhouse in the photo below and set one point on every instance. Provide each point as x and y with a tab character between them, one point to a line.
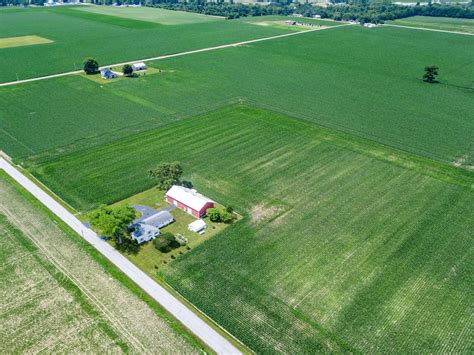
189	200
148	227
107	73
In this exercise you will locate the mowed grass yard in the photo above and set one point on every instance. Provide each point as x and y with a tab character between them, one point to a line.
339	78
347	245
438	23
77	34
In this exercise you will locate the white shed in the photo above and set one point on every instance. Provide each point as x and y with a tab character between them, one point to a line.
197	226
138	66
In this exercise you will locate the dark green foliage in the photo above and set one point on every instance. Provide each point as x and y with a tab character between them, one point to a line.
214	214
127	70
91	66
431	72
166	174
113	222
227	217
166	242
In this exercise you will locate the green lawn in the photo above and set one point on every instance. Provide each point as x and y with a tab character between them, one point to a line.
109	39
153	261
438	23
161	16
346	245
338	78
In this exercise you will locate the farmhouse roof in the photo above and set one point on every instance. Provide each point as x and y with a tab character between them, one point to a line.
158	219
189	197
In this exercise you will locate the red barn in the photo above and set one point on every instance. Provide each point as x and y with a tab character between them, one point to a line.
189	200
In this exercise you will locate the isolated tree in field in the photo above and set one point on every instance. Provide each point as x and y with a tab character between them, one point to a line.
166	174
112	221
127	70
91	66
431	71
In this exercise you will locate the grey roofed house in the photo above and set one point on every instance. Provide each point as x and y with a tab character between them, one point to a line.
144	232
148	226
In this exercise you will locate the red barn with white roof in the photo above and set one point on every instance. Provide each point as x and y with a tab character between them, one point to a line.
189	200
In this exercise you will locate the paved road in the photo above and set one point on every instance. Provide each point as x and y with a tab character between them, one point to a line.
172	55
194	323
430	29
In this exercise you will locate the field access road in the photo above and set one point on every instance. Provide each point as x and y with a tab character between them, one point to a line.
430	29
187	317
172	55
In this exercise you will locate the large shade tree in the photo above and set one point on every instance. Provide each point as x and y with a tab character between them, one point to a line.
166	174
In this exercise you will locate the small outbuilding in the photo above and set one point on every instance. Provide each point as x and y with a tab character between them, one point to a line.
189	200
139	66
197	226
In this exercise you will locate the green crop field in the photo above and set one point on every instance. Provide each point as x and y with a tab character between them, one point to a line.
355	179
161	16
109	39
58	298
347	245
336	77
438	23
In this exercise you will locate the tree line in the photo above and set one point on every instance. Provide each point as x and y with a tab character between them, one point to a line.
346	10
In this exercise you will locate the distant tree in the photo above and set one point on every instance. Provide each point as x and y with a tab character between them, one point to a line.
431	71
127	70
112	221
91	66
214	214
166	242
166	174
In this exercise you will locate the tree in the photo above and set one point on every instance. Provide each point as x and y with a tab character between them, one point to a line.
431	71
227	217
91	66
229	209
166	242
127	70
214	214
166	174
112	221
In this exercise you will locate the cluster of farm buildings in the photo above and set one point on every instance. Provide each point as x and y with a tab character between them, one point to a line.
108	73
190	201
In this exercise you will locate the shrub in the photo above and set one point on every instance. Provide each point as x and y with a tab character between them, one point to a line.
227	217
166	242
214	214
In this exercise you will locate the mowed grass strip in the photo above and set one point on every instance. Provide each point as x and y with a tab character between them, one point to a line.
346	245
21	41
437	23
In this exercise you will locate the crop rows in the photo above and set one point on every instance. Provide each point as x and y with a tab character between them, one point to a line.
346	245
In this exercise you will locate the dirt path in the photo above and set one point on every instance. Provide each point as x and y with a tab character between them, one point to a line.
430	29
172	55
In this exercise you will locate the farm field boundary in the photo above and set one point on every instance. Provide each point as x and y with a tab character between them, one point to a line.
202	50
195	324
429	29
